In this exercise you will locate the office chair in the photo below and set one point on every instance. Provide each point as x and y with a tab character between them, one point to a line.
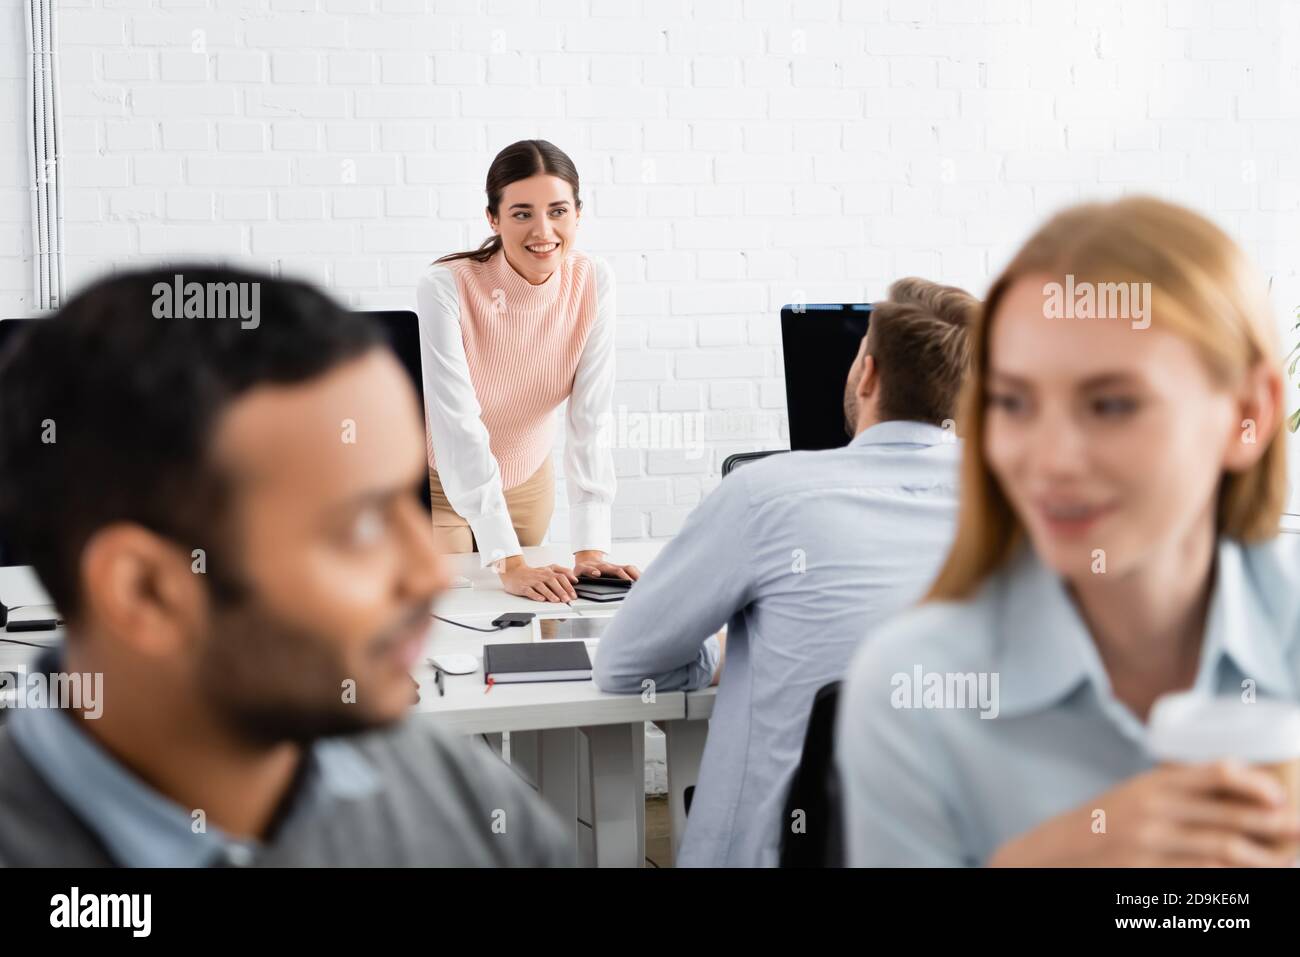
815	791
733	462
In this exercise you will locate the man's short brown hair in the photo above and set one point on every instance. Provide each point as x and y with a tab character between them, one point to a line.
918	338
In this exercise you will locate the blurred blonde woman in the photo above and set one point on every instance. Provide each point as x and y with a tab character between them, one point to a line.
1123	478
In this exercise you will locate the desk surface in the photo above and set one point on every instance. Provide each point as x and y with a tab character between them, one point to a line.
469	709
487	597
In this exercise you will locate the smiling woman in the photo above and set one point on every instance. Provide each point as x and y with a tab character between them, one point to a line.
1123	478
509	332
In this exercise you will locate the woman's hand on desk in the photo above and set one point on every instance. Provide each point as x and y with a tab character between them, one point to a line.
543	583
593	563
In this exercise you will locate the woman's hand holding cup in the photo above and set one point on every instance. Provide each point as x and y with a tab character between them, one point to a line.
1226	794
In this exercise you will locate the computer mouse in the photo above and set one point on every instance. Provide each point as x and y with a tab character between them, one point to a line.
456	664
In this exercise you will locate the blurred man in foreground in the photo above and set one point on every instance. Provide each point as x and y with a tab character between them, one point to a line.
226	511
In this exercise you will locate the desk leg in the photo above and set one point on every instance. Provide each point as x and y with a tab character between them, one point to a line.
684	745
586	833
548	761
558	774
618	793
526	756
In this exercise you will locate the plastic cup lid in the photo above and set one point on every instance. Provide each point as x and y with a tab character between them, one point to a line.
1190	727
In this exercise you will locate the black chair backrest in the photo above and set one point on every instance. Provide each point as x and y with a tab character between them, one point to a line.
812	832
733	462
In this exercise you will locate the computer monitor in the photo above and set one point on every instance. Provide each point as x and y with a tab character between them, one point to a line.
402	328
819	343
10	330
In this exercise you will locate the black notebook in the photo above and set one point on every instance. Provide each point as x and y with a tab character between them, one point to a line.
536	661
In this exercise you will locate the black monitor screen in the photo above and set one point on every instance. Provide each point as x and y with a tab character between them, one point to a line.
403	329
9	332
819	343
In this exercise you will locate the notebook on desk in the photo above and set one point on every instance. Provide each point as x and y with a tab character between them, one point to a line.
536	661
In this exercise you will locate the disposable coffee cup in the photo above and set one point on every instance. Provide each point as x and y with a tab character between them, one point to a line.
1193	728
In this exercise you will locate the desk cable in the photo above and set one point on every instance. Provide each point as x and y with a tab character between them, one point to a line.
29	644
513	619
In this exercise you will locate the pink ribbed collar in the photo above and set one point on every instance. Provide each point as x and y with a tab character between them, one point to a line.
518	289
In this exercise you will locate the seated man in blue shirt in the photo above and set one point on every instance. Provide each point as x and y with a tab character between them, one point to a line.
226	509
802	556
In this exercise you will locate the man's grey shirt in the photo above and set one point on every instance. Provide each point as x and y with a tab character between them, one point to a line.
802	556
409	795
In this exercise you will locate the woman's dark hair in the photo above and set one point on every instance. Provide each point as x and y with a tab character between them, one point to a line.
519	161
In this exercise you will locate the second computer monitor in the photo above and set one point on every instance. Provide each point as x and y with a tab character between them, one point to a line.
819	343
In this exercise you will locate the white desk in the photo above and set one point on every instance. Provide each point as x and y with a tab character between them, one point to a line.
613	724
19	658
467	708
19	586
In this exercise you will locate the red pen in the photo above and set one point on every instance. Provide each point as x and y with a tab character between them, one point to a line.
490	683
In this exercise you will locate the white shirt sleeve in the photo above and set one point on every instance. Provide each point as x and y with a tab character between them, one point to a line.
588	456
466	466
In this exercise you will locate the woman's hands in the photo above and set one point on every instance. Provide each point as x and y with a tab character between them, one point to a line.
555	582
543	583
593	563
1223	814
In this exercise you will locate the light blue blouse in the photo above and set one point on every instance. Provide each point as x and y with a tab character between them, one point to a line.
1028	726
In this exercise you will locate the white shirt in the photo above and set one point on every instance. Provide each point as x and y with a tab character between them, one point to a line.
467	469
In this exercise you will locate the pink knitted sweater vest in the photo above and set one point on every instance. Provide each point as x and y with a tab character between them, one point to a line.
522	345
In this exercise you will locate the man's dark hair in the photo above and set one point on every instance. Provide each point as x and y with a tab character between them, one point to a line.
919	338
107	410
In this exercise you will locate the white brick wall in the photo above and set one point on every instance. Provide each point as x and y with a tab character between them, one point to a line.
736	154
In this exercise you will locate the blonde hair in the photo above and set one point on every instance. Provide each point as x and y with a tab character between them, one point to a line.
1202	287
